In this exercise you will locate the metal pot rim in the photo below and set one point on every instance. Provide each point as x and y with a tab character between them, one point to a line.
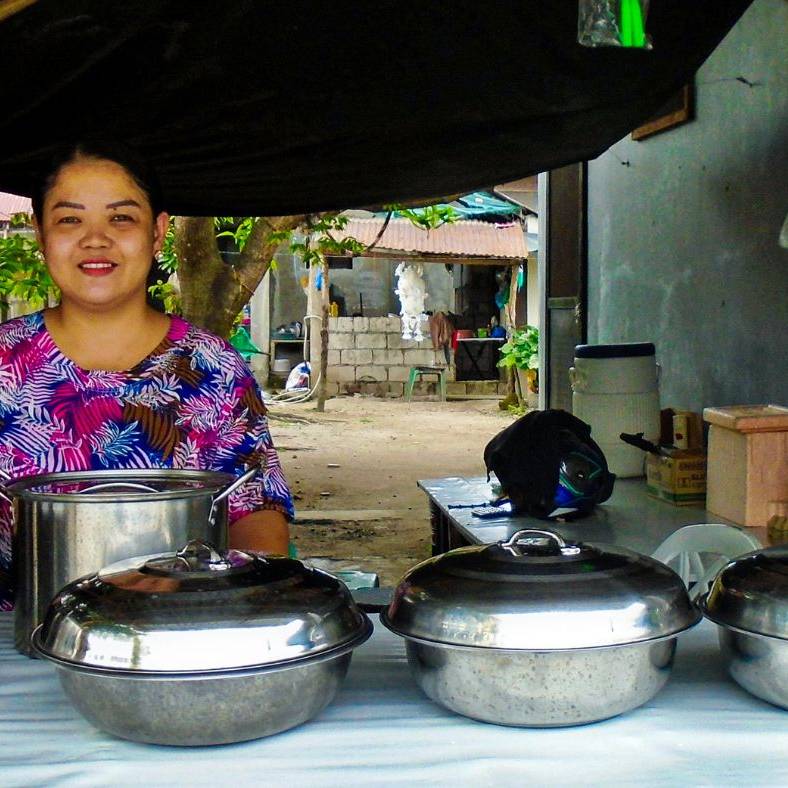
213	482
725	625
194	675
502	650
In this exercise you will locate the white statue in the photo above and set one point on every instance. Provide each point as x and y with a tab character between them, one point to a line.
412	294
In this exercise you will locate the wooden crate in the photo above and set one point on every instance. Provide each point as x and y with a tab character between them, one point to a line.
747	461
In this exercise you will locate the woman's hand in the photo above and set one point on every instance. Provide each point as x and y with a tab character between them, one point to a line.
265	531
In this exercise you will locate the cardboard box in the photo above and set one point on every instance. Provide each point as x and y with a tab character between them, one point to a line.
679	479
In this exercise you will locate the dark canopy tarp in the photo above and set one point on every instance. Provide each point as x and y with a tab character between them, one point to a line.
251	108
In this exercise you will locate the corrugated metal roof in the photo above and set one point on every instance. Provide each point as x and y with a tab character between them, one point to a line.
459	239
11	204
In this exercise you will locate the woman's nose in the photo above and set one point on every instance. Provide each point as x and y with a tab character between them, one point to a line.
94	235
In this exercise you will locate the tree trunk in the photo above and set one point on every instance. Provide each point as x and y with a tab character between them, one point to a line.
213	292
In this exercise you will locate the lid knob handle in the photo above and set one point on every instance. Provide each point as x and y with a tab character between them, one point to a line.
520	541
199	556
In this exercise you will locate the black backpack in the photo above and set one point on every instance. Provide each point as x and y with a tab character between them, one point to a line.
526	457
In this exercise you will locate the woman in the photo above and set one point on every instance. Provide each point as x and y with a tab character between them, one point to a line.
103	380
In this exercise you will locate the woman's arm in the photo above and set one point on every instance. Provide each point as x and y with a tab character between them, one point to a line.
264	531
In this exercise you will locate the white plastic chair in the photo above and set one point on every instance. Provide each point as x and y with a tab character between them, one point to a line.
684	548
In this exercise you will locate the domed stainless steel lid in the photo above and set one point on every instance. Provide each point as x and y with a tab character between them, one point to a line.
751	593
537	592
200	610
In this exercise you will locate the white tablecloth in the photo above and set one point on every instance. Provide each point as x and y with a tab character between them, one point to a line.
701	729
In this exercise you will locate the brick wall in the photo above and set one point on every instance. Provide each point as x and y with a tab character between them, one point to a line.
368	355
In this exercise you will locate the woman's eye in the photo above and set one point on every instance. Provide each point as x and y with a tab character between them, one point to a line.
121	217
68	220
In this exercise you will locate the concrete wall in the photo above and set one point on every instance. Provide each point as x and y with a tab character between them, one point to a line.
374	278
287	297
683	244
440	288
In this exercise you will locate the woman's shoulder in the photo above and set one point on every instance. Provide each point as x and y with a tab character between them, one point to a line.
20	329
207	350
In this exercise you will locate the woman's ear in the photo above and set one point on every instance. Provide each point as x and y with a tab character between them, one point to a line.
160	225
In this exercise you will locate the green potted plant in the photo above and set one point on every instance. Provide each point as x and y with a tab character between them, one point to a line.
521	352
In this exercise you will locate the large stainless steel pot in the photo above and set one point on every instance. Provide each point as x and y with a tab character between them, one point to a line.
537	632
69	524
749	601
202	646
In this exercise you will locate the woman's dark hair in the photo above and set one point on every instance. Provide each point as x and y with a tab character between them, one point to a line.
119	152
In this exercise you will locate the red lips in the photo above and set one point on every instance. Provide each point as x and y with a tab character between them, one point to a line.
98	266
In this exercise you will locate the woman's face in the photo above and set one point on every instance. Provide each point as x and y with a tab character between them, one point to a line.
98	235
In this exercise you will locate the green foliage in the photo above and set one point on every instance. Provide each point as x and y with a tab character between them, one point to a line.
239	229
168	295
23	274
168	258
318	243
428	218
522	349
518	410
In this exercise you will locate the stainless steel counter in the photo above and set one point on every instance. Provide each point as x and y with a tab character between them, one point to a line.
630	517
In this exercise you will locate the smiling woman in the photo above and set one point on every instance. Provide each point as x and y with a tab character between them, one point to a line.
103	380
98	233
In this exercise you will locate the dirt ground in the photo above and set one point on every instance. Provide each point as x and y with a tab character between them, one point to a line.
353	472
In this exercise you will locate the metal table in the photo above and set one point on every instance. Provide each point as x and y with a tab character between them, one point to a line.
629	517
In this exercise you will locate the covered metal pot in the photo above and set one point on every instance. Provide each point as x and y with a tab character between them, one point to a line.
535	631
749	601
69	524
202	646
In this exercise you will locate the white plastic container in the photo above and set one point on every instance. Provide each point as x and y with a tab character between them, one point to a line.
615	389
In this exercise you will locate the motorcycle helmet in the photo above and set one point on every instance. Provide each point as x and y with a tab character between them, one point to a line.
546	461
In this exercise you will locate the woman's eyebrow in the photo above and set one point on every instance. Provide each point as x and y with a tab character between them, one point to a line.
67	204
121	203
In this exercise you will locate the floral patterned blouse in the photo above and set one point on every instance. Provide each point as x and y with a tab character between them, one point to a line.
192	403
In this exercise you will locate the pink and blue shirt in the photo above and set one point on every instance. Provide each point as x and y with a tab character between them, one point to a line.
192	403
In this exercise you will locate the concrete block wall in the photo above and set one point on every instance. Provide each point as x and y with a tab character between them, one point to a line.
368	355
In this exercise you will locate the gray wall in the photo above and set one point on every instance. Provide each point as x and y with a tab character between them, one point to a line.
374	277
683	242
288	299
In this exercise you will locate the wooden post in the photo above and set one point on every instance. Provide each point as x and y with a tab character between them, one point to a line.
512	396
321	388
314	321
511	306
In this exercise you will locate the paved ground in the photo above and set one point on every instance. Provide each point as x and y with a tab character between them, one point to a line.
353	471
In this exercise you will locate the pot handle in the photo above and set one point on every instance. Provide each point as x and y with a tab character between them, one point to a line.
523	538
133	486
232	487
